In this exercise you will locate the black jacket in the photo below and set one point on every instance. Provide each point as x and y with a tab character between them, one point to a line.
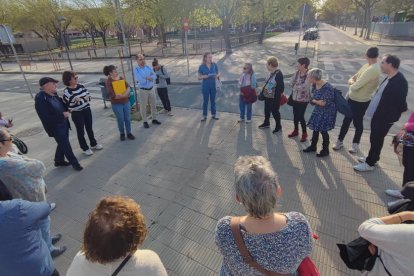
50	111
393	101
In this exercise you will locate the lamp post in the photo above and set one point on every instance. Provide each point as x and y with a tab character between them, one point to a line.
62	19
121	23
17	58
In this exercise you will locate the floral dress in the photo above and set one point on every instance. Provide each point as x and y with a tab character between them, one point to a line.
323	118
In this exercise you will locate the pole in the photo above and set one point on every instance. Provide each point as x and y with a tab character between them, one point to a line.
66	46
17	58
301	25
186	52
121	23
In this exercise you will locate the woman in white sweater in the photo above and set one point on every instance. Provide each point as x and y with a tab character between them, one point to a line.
394	242
113	232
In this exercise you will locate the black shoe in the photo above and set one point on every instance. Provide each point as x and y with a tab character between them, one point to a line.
264	125
277	129
215	118
130	136
56	238
77	167
61	164
310	149
122	137
156	122
323	153
58	251
146	125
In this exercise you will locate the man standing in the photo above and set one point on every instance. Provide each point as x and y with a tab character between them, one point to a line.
54	116
385	109
361	87
146	78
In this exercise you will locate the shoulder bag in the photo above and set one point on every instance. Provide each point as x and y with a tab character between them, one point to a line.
119	268
261	96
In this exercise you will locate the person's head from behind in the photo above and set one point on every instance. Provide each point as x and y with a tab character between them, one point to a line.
111	71
372	53
390	64
115	228
303	64
256	184
156	65
207	58
141	60
69	78
48	85
248	68
272	64
315	75
6	142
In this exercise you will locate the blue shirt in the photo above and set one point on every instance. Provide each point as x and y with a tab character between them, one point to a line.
141	73
23	250
211	72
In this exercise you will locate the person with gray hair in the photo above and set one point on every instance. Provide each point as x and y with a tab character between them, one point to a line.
278	242
324	115
247	84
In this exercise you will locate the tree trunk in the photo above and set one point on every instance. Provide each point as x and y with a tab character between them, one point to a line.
226	35
103	36
162	35
356	25
368	24
364	19
262	32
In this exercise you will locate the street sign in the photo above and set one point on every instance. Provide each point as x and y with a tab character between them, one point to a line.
4	38
186	25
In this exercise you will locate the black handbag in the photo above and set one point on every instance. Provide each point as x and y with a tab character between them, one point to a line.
356	255
290	100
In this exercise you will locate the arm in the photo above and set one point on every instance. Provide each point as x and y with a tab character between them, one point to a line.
363	80
280	85
34	211
46	117
253	82
23	166
200	74
409	126
111	92
139	76
164	73
217	72
153	76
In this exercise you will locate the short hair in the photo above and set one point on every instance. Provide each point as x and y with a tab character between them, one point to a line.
372	52
115	228
304	61
140	56
393	60
315	73
155	62
108	69
256	185
272	61
67	77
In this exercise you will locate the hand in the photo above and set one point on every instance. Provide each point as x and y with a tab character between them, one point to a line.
218	76
372	249
66	114
149	79
351	81
407	215
77	99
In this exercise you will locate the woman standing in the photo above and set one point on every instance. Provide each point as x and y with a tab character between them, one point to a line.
208	72
278	242
162	90
77	99
119	102
272	91
324	115
301	96
247	79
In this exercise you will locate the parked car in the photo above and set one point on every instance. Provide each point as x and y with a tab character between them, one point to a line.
311	34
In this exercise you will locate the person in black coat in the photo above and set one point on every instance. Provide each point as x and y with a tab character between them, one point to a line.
386	107
54	117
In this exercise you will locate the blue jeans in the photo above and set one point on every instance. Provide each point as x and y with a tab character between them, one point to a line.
243	106
123	117
209	93
61	135
45	230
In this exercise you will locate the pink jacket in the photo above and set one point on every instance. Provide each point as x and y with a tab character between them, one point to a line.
409	126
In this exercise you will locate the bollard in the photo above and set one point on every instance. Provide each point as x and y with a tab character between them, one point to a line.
296	48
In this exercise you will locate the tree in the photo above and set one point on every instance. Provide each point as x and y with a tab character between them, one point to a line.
389	7
367	6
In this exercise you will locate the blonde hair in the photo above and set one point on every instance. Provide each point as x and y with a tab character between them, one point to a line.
272	61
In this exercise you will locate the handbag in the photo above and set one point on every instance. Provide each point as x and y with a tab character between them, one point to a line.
20	145
306	268
283	99
341	104
290	100
248	94
261	96
356	255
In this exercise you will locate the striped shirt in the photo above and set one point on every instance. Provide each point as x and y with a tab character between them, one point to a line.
76	99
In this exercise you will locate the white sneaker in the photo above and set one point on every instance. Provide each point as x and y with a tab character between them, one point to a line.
363	167
240	121
354	148
97	147
394	193
170	113
52	206
338	145
362	159
248	121
88	152
163	111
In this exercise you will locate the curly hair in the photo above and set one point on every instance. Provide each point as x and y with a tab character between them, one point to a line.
115	228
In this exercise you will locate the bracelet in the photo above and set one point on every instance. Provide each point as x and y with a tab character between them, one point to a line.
401	220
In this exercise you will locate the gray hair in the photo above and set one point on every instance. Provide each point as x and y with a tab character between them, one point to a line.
256	185
316	74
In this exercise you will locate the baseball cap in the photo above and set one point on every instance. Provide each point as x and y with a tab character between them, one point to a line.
45	80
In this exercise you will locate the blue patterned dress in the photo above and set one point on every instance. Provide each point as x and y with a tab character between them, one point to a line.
323	118
280	251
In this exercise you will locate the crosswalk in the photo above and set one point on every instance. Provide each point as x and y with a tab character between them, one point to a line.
349	43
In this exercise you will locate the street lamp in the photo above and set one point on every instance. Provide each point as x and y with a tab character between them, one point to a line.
62	19
17	58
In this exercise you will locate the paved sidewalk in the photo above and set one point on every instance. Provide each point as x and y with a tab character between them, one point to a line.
182	175
281	46
376	39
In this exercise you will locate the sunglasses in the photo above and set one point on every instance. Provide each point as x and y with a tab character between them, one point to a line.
245	68
5	140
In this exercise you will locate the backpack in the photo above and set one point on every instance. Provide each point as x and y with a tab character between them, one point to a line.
341	104
168	80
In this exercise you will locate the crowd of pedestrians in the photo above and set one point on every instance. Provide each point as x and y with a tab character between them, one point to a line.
261	242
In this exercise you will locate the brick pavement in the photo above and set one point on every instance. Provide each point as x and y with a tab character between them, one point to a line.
182	175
